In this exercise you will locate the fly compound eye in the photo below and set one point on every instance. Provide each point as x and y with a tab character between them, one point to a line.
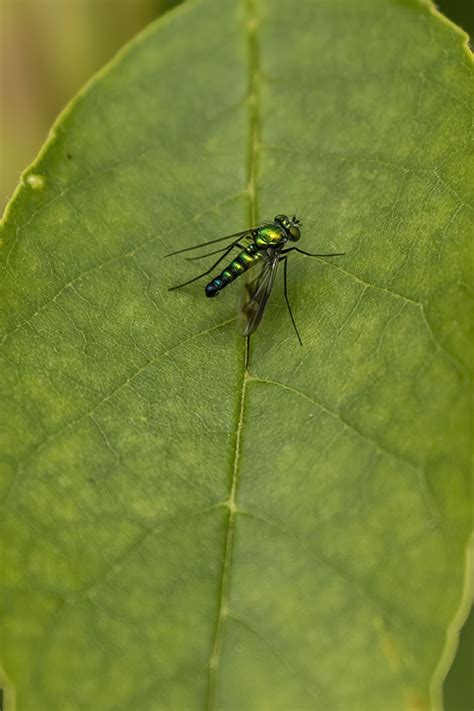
294	233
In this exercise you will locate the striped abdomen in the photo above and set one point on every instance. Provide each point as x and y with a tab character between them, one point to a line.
244	260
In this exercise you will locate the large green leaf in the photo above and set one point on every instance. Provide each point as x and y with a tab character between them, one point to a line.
178	533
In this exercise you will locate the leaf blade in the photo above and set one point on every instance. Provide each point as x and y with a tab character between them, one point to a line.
132	428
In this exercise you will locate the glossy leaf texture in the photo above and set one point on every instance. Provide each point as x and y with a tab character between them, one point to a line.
177	532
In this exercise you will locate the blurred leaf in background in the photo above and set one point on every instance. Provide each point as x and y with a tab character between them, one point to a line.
459	11
50	48
459	686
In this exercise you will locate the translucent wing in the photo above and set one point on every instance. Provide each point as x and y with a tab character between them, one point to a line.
257	293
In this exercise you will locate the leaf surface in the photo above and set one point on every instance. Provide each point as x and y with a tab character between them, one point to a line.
178	533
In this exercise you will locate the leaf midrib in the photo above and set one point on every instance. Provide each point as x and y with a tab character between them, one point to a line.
253	98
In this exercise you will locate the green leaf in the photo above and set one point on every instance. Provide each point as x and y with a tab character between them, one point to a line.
178	533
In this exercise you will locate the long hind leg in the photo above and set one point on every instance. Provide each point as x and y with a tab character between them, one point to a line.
285	289
190	281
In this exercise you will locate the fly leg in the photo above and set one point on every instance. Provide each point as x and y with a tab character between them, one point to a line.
216	251
238	235
309	254
190	281
285	289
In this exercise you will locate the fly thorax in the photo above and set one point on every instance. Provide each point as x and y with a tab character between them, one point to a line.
270	236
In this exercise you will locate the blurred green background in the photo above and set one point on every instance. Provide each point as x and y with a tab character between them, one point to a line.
49	49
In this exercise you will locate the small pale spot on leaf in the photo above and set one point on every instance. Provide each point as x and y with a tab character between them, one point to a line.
36	182
145	508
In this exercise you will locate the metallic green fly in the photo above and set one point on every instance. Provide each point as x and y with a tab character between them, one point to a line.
263	246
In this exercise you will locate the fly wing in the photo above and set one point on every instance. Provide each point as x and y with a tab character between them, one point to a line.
257	293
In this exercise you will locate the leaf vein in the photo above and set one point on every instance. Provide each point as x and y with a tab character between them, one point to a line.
251	25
